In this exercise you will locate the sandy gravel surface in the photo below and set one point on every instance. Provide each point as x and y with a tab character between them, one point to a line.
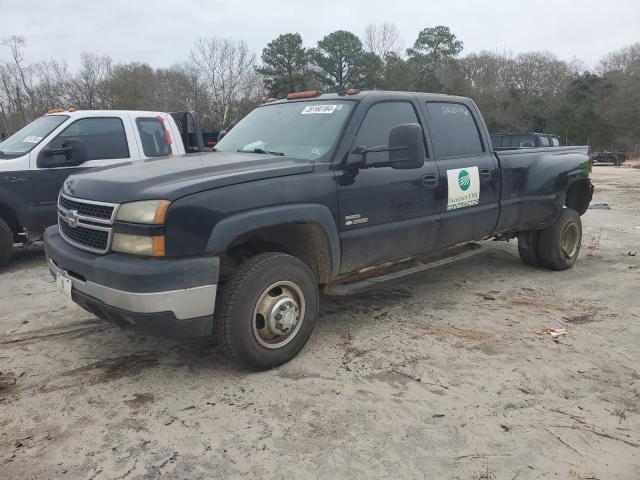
439	376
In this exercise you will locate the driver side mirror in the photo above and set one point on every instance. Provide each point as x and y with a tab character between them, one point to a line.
406	149
73	152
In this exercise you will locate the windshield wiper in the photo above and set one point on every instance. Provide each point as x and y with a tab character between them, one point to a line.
262	150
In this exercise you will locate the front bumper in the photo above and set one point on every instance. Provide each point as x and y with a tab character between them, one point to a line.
166	297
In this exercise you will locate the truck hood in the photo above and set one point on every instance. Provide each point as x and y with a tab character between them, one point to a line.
174	177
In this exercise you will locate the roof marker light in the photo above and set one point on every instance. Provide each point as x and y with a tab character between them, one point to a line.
307	94
349	91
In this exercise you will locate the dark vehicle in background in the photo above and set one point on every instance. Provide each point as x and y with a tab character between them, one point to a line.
325	190
516	141
615	158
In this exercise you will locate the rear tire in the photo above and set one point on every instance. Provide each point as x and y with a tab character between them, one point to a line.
560	242
267	310
6	243
528	247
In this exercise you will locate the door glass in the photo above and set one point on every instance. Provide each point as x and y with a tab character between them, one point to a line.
378	123
544	141
555	142
153	137
101	138
454	130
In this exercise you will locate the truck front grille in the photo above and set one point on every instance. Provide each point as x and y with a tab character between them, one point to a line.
96	210
86	224
85	238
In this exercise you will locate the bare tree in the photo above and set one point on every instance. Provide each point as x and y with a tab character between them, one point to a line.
382	38
16	44
17	78
626	60
53	82
90	88
226	69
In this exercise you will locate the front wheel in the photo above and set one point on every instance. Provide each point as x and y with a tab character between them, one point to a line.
267	310
560	243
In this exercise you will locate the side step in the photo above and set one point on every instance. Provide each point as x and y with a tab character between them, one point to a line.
374	277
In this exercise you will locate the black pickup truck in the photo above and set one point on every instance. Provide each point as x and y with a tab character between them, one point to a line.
313	190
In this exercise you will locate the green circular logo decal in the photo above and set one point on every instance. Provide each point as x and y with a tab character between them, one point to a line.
464	180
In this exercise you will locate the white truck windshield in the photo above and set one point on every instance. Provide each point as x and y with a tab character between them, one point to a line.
25	139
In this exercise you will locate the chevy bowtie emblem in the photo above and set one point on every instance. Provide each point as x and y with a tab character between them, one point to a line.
71	218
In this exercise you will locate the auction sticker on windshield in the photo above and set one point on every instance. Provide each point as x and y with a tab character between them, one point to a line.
318	109
464	187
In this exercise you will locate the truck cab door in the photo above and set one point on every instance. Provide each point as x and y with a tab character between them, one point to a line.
469	173
87	142
386	213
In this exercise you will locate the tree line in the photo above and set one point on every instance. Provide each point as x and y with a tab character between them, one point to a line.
222	80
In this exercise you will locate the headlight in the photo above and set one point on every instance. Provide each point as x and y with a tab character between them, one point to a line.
151	212
138	244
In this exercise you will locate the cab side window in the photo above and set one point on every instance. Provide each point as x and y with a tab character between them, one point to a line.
101	138
153	137
378	122
454	131
544	141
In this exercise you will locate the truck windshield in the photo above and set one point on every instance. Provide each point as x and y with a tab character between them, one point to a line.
299	130
25	139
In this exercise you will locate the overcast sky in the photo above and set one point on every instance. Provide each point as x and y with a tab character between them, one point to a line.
161	32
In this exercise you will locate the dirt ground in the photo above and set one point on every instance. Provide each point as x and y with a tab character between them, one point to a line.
440	376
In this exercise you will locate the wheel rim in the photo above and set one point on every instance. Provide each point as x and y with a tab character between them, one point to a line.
278	314
570	240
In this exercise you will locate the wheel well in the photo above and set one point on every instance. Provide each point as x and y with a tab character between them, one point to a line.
306	241
579	196
9	216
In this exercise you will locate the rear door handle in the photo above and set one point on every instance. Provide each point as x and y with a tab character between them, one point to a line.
485	173
429	181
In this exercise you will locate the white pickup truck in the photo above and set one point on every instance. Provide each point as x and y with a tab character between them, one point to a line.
36	160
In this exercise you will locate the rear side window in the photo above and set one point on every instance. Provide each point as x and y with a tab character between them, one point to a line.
544	141
454	130
103	138
523	141
378	123
153	137
555	142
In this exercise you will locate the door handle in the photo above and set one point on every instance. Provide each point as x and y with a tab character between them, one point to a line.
485	173
429	181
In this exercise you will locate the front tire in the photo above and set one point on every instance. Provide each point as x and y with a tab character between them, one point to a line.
6	243
267	310
560	243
